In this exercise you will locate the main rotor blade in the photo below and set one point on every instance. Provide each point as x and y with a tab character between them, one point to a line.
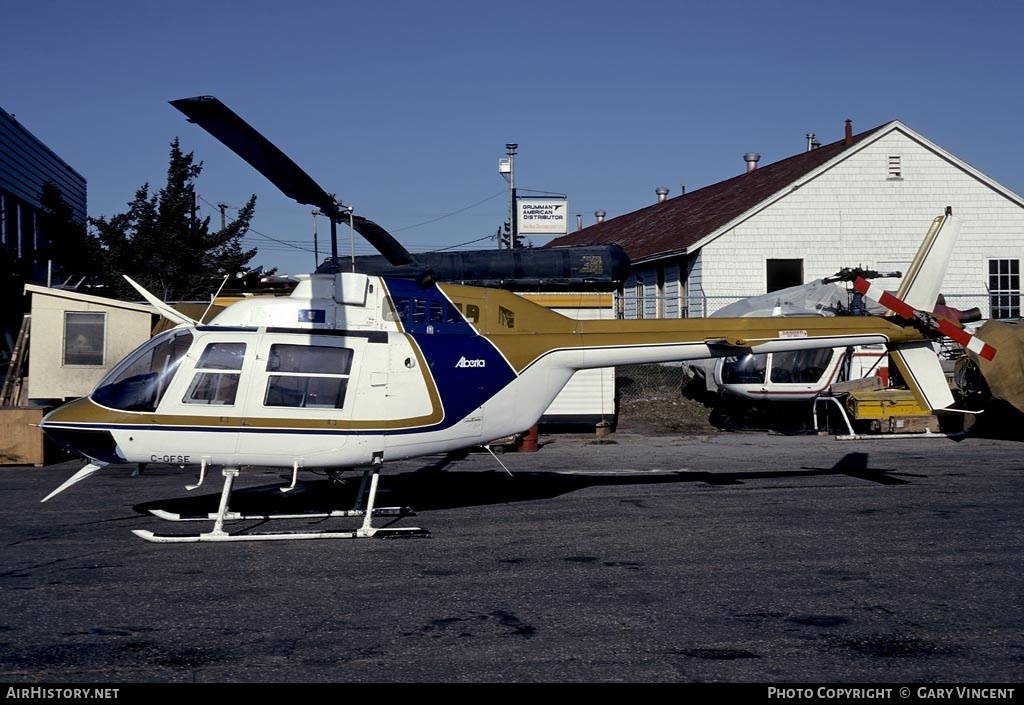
383	241
243	139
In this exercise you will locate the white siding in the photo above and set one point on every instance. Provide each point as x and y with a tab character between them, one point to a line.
589	393
855	215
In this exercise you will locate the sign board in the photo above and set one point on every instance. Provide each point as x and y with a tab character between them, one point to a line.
542	216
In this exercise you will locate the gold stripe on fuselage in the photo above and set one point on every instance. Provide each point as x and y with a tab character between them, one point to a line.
537	330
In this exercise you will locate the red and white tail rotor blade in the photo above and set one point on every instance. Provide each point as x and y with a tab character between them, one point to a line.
947	328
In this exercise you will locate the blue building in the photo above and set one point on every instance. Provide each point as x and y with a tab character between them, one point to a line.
26	164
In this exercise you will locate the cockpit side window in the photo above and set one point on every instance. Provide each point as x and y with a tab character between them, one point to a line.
800	366
307	376
139	381
220	385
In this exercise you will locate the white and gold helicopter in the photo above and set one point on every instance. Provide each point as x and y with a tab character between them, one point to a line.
352	370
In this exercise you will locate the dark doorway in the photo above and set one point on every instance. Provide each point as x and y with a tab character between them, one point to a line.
783	273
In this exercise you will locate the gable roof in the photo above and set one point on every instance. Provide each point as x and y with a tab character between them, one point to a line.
668	228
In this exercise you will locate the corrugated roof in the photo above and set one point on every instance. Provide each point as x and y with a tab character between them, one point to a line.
676	224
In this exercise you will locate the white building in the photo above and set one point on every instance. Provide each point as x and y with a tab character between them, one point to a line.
866	200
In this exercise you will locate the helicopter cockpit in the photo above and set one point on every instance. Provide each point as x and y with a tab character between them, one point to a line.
139	381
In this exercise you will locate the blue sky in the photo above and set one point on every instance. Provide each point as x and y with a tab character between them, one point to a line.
403	108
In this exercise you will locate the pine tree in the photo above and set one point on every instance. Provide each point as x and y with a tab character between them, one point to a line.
162	244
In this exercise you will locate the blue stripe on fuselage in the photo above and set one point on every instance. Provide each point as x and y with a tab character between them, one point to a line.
467	368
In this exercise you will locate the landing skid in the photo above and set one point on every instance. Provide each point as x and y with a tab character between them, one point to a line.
223	514
282	535
238	516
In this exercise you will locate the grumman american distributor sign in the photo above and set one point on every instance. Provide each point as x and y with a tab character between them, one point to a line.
542	216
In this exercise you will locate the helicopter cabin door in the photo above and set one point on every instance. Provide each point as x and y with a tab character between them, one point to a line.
302	397
207	396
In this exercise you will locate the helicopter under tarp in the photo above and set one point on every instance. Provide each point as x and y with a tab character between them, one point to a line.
814	298
1003	375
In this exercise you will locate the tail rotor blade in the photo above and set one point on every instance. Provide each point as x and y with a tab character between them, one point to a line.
948	329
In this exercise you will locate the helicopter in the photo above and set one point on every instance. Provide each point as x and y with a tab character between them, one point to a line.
777	388
352	370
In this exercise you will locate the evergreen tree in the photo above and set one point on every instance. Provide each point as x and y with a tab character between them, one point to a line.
162	244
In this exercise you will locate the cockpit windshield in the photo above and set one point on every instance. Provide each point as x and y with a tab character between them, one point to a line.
748	369
140	380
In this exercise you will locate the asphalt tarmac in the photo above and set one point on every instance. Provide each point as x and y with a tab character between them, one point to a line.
727	557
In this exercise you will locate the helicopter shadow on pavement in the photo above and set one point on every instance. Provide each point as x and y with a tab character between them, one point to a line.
441	485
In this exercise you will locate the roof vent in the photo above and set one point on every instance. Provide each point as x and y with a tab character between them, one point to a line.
751	158
662	193
600	216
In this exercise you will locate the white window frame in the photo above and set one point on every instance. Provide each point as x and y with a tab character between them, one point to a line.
1004	288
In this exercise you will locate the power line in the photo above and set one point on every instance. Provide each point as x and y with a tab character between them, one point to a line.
463	244
285	245
449	215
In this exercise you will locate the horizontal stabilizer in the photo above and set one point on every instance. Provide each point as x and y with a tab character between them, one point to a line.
922	372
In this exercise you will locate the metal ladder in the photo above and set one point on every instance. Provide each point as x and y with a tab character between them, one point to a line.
10	393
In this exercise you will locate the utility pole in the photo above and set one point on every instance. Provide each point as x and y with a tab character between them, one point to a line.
511	151
507	165
223	221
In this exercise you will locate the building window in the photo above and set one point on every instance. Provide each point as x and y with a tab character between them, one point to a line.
640	300
84	334
1004	288
783	273
895	167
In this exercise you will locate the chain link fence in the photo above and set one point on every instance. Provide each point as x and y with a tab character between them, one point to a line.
704	306
662	382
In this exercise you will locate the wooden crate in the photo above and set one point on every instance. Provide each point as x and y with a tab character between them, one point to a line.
21	439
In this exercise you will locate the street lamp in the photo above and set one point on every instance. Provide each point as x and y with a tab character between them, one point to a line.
510	150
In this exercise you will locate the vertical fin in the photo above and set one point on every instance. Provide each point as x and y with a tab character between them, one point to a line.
922	283
922	372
